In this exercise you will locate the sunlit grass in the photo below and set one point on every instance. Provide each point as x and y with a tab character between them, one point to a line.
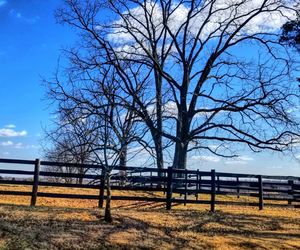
78	224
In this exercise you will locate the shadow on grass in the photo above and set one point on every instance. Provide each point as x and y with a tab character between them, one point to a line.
24	227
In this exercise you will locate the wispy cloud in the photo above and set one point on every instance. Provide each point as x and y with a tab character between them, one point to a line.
17	145
2	3
266	21
6	143
208	158
18	15
10	126
241	160
10	132
236	162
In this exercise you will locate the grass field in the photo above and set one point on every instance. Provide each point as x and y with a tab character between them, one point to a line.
78	224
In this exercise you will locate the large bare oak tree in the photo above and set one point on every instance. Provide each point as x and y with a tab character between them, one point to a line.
204	75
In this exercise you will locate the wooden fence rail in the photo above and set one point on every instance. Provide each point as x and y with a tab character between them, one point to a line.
283	190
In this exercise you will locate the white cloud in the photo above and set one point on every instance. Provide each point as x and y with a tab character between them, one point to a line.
240	160
14	13
245	158
18	145
18	15
10	126
6	143
8	132
2	2
32	146
294	110
294	142
205	158
235	162
275	167
170	109
228	13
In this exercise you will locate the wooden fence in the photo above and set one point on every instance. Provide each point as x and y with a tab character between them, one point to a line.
189	184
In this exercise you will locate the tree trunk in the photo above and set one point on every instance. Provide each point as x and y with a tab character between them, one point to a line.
180	155
80	179
158	136
123	163
182	128
107	215
159	152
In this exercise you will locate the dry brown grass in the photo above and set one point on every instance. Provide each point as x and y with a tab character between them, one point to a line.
78	224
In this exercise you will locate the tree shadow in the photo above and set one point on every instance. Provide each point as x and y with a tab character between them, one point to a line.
43	228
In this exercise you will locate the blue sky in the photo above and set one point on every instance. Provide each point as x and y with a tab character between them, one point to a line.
30	45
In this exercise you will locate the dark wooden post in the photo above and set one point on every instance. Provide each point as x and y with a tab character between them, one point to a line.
200	179
197	185
185	187
35	182
238	187
213	190
169	188
218	182
102	188
291	183
164	184
260	193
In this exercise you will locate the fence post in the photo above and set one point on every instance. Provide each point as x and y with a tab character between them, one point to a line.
213	190
260	193
101	191
197	185
185	187
200	185
291	183
35	182
169	188
238	187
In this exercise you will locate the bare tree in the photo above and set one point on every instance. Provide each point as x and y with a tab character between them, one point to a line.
93	124
71	140
59	153
199	90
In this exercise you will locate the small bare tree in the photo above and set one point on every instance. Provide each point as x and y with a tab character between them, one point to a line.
70	141
93	120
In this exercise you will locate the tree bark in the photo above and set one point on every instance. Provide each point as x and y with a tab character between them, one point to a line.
123	163
81	171
159	152
180	156
182	132
158	136
107	215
